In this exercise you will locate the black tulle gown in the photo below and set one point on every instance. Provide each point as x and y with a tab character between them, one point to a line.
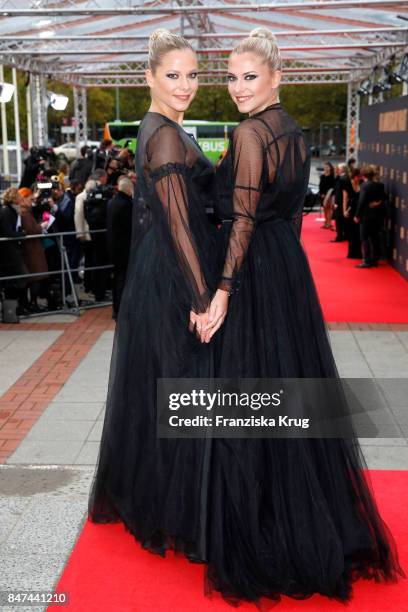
267	516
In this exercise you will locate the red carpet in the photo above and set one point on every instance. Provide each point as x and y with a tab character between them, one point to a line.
347	294
109	572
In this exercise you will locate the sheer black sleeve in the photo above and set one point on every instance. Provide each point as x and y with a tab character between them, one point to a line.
168	168
248	156
303	164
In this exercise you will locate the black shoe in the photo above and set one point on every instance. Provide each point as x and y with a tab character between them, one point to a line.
337	240
364	264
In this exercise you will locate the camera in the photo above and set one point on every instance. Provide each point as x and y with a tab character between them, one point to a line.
42	199
95	206
41	155
115	168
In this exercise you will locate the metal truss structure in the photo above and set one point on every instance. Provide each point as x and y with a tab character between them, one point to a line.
80	110
39	109
103	43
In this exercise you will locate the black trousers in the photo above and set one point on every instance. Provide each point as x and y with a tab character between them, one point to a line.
353	237
341	223
370	235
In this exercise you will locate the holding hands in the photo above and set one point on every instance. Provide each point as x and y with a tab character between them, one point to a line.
218	312
205	325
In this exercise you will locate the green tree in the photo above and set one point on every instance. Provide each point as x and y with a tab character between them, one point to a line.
314	104
311	105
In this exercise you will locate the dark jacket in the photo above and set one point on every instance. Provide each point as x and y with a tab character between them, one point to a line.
65	213
371	191
119	226
11	258
31	170
81	170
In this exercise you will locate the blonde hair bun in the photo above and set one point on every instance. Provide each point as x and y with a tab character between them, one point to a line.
160	33
263	33
262	42
161	41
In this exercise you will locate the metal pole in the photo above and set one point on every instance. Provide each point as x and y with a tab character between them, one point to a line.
353	119
81	119
117	104
29	113
62	270
17	127
40	117
84	118
6	164
71	280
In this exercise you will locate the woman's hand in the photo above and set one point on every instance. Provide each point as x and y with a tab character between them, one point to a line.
217	313
198	321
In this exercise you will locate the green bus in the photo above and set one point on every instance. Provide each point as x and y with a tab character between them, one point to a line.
212	136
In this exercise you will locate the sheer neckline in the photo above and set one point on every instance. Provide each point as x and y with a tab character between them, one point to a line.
165	117
276	105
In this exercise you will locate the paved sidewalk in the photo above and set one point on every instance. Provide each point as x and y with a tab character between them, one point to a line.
61	378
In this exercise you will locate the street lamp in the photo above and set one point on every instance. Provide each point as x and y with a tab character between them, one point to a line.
57	101
6	92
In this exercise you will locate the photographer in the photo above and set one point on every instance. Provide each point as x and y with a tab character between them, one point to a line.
45	209
119	224
100	155
82	166
95	214
100	176
114	170
34	164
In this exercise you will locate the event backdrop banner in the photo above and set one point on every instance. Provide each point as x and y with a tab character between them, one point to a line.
384	142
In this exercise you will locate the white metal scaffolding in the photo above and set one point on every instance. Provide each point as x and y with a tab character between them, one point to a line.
104	44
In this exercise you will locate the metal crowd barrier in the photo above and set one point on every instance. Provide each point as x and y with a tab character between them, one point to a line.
64	271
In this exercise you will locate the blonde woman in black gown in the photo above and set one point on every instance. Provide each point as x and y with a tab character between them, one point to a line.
155	486
293	516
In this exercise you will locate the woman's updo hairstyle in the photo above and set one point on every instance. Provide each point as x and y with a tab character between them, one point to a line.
162	41
262	42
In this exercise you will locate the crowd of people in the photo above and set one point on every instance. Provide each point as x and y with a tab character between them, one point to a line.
90	202
355	200
78	217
